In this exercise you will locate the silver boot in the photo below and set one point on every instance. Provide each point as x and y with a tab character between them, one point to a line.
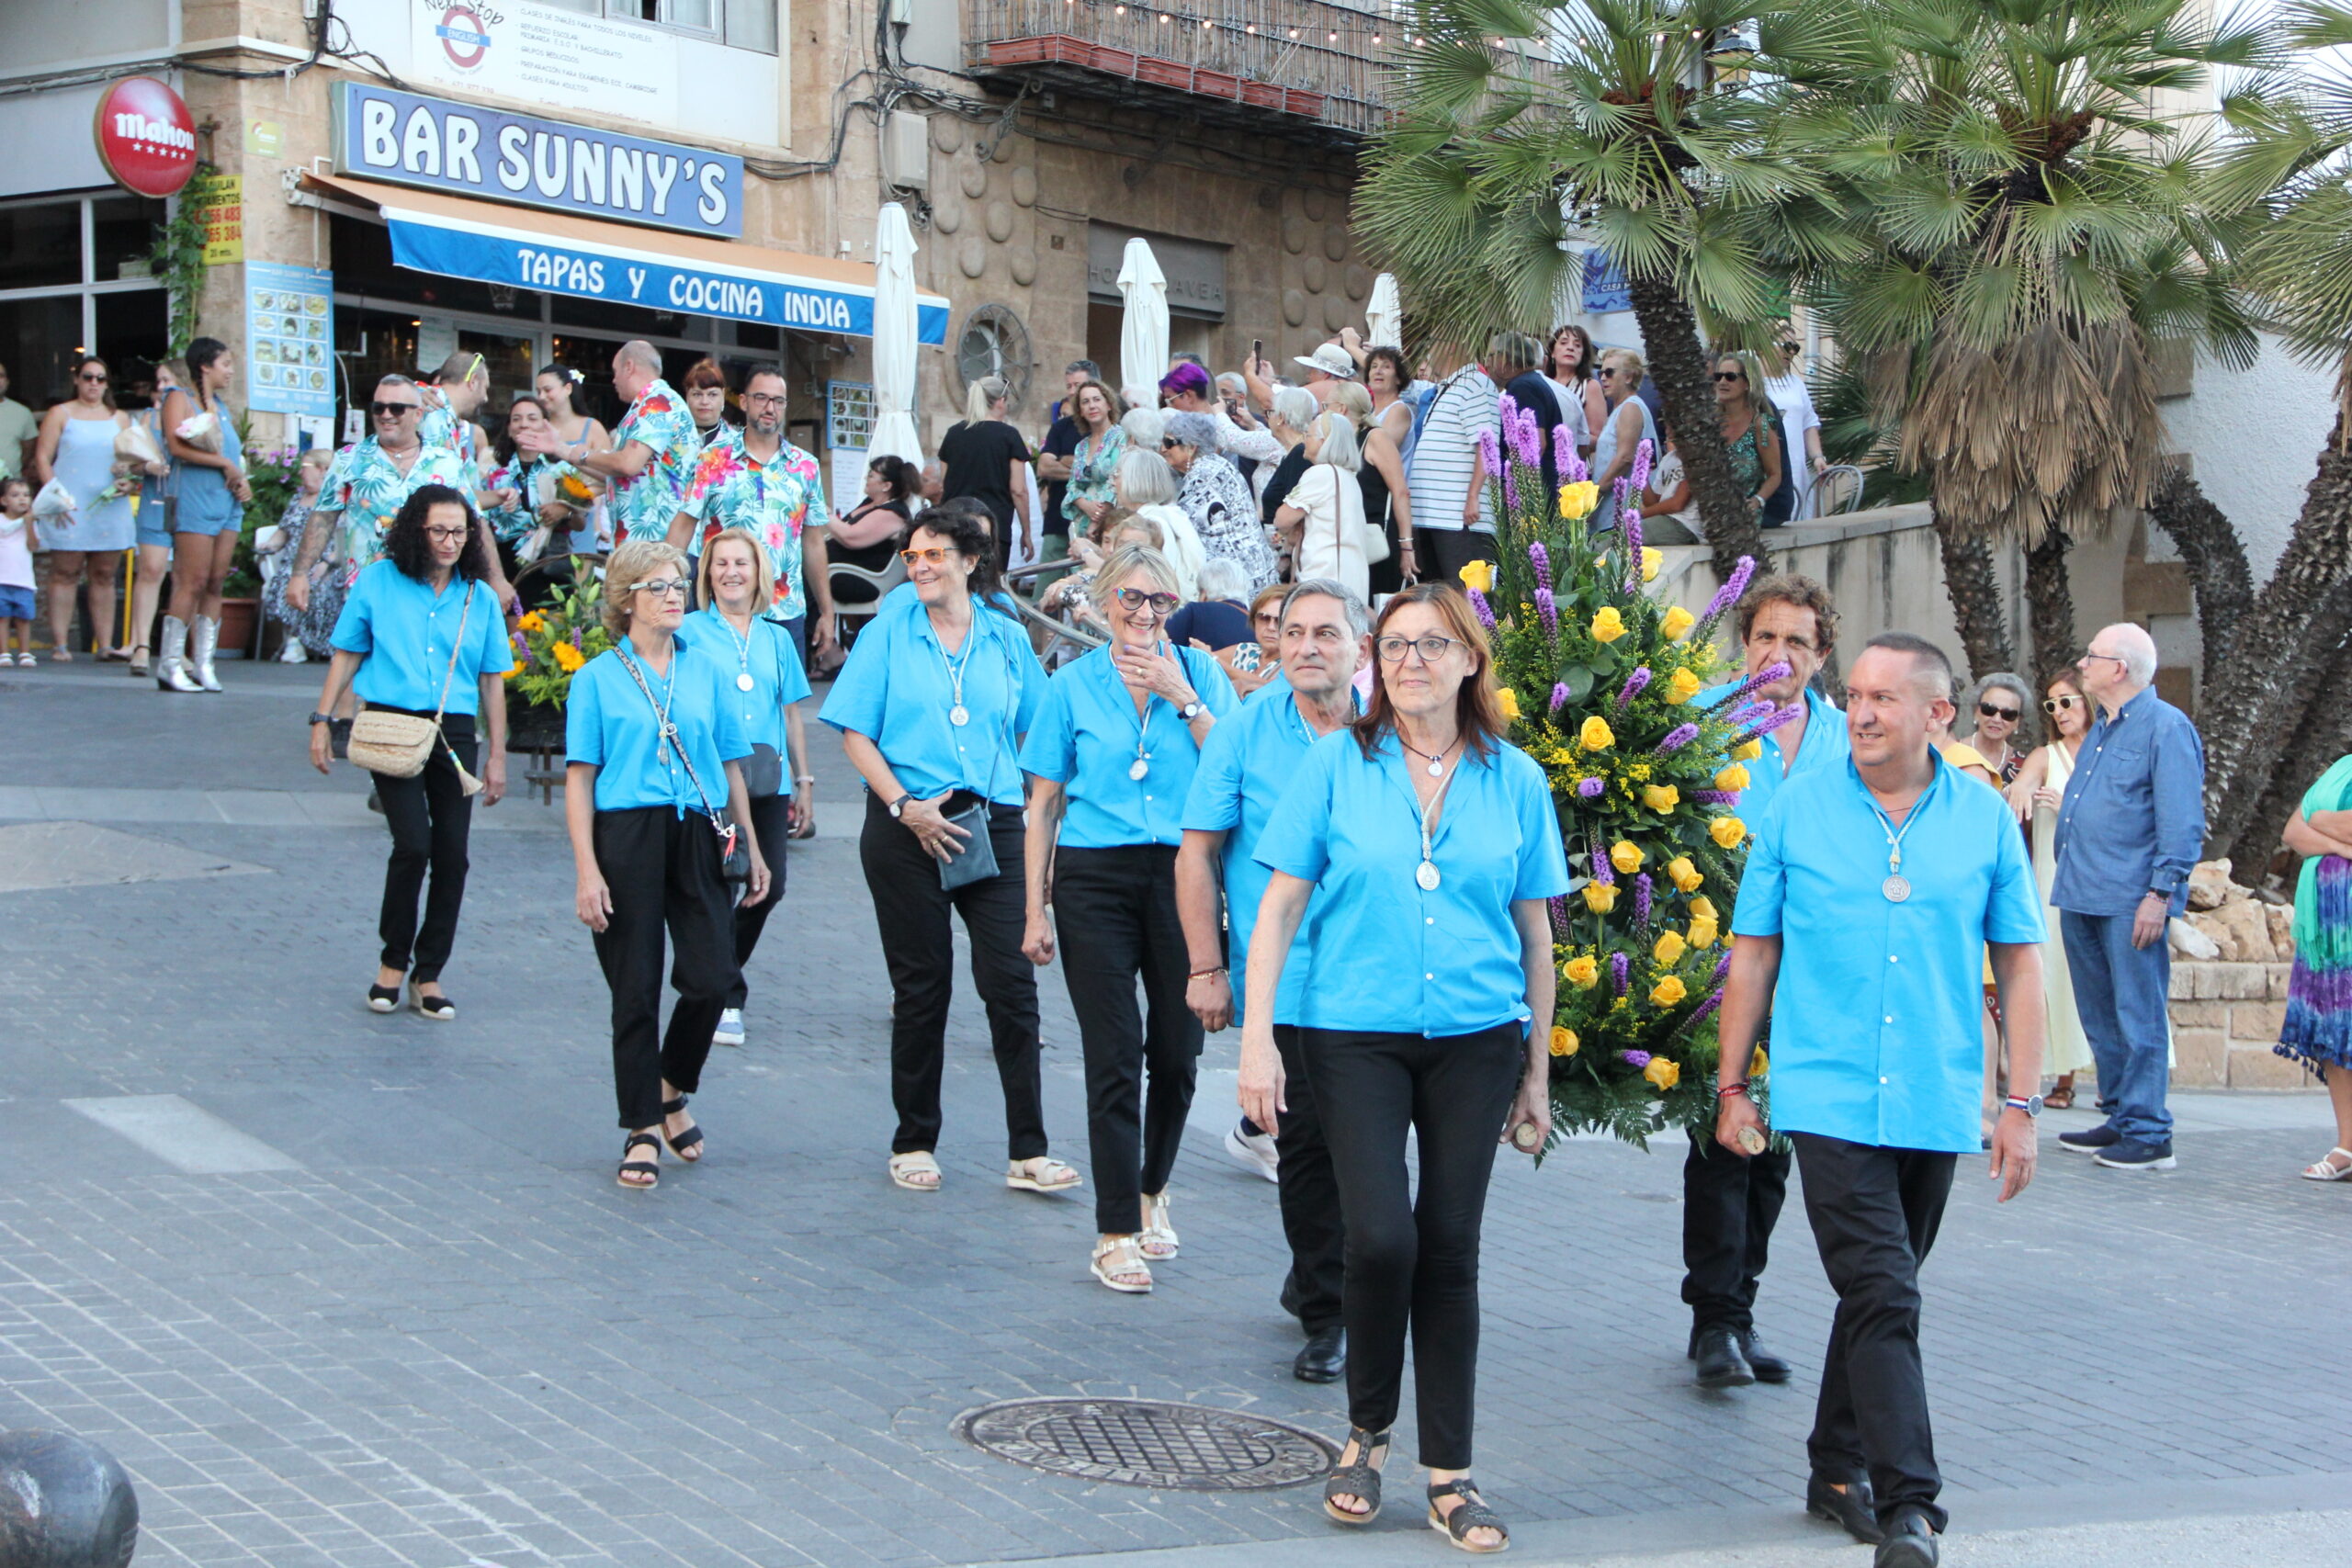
203	637
171	664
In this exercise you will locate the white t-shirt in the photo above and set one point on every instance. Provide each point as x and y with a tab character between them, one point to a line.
1665	480
16	555
1330	541
1794	399
1445	458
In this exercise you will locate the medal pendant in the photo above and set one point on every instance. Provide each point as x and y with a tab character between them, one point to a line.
661	754
959	715
1437	769
743	681
1426	875
1896	889
1138	768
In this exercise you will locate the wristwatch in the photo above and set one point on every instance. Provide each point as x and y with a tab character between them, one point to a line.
900	805
1190	711
2029	1104
323	718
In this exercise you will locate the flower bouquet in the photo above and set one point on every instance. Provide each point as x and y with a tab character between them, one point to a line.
553	641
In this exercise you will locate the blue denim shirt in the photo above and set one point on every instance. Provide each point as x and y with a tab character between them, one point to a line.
2132	820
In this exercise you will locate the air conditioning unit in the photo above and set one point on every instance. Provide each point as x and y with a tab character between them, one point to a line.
906	151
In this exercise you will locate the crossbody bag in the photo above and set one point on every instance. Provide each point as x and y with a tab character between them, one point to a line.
734	852
976	861
397	745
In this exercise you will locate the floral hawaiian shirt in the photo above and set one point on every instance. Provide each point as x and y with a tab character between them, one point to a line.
660	419
439	427
529	479
365	489
778	501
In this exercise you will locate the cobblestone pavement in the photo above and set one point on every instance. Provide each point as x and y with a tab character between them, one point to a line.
438	1335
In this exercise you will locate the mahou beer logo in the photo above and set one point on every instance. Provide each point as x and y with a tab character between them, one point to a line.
464	33
146	137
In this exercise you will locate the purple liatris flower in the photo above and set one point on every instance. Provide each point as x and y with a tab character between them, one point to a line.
1642	455
1491	462
1635	1059
1510	489
1590	788
1485	614
1602	872
1723	964
1682	735
1526	438
1705	1009
1632	686
1541	559
1730	592
1560	906
1641	899
1572	466
1633	544
1716	797
1785	716
1620	967
1549	610
1560	701
1776	670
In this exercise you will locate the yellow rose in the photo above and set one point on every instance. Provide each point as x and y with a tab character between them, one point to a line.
1652	558
1563	1040
1757	1067
1577	500
1747	751
1702	908
1662	1073
1601	896
1728	831
1582	971
1508	700
1480	575
1669	947
1676	623
1733	777
1667	992
1681	686
1685	876
1608	625
1703	933
1661	798
1595	736
1626	856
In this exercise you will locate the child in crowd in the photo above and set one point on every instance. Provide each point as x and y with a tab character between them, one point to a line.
17	543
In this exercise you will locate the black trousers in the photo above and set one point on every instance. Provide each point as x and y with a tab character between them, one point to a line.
431	818
1441	553
1310	1195
912	912
1412	1258
1115	913
662	870
1729	1206
772	824
1875	1213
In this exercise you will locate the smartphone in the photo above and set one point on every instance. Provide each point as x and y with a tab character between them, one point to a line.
1257	354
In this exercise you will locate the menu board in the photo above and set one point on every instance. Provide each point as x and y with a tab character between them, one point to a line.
289	339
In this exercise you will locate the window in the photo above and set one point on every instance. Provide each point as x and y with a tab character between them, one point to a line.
740	24
73	280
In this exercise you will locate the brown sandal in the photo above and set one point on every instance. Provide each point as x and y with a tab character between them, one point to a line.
2060	1098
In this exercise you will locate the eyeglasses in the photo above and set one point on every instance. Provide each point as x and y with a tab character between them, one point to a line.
763	399
2054	705
1731	375
446	535
933	553
393	410
660	587
1432	649
1989	711
2095	654
1136	599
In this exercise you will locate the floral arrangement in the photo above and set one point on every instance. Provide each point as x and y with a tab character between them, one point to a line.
553	641
1603	686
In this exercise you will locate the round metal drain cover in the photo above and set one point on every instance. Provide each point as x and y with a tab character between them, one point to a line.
1149	1442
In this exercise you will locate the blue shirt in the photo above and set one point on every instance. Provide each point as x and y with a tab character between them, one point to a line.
770	658
1247	765
407	632
609	725
1088	737
1383	955
1824	746
2132	819
900	685
1885	1047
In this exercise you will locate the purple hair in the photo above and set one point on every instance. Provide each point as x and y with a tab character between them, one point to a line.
1186	377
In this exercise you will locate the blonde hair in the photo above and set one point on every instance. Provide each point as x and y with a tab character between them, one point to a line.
1340	448
763	575
1628	361
629	563
1146	528
984	393
1349	398
320	457
1126	561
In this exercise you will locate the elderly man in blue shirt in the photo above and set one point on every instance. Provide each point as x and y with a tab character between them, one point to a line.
1871	899
1730	1204
2130	826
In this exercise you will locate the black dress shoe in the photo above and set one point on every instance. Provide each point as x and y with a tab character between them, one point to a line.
1854	1508
1720	1363
1289	1293
1323	1358
1911	1544
1767	1366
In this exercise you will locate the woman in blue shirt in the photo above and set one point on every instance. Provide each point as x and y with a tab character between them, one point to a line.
1110	761
1427	1012
932	707
422	632
655	744
208	518
764	684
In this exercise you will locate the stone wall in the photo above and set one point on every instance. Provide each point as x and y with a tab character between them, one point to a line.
2225	1019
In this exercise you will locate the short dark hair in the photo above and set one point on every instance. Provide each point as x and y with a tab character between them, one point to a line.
1789	588
1395	357
16	481
1925	656
903	477
967	525
405	544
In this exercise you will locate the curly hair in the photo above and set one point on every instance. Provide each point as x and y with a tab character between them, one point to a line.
408	548
1795	589
1395	357
964	524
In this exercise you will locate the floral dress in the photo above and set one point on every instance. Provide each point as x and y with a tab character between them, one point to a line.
2318	1031
1217	499
314	627
1092	470
521	474
1746	462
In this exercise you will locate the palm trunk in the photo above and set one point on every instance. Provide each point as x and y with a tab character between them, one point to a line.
2217	571
2050	604
2325	735
1975	591
1671	342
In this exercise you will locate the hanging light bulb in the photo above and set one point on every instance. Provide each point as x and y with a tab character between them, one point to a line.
1376	40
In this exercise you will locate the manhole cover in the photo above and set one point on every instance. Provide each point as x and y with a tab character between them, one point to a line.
1149	1442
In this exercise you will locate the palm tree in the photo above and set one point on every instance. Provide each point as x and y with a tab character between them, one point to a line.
1523	123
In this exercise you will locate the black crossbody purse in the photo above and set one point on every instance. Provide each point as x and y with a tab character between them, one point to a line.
976	861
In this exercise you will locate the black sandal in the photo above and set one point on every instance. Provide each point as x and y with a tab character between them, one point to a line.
1468	1514
383	999
638	1167
690	1138
1357	1479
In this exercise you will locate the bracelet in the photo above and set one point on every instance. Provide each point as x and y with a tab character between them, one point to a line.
804	778
1204	974
1726	1090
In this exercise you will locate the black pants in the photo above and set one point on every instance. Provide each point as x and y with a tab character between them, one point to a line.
1874	1213
1729	1206
1310	1195
662	870
1114	912
772	825
1441	553
430	817
1412	1258
911	910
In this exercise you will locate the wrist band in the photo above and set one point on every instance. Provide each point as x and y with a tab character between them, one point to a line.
1204	974
804	778
1725	1090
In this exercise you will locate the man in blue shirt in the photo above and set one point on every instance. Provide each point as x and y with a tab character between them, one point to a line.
1248	761
1729	1205
2130	826
1870	901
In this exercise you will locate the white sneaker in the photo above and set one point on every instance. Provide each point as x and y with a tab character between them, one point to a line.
294	653
730	1028
1253	1151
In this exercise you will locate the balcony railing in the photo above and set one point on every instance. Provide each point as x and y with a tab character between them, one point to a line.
1320	68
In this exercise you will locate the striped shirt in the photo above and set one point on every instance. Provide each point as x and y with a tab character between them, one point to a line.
1445	454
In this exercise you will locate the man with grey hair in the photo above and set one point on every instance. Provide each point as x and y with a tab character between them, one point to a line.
1248	763
2130	828
371	480
654	446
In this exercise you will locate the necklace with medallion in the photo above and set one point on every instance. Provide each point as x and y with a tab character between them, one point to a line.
958	713
1426	875
1897	887
743	681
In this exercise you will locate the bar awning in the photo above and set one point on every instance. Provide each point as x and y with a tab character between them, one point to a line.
621	264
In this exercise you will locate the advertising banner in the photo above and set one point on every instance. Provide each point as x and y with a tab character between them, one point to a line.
289	339
541	55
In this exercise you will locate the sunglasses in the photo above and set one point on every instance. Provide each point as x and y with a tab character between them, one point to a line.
2054	705
933	553
97	375
1791	350
661	587
1168	443
1989	711
1731	375
1136	599
393	410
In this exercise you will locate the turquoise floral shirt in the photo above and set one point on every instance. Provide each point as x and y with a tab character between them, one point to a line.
642	507
366	490
778	501
524	476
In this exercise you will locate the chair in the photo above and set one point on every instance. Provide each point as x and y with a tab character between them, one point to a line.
1839	489
882	581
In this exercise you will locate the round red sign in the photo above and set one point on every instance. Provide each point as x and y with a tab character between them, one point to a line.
146	136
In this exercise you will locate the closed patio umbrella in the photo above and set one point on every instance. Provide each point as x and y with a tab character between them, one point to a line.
1384	317
1143	337
894	338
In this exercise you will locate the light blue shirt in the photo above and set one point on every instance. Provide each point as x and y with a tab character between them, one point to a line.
1088	737
2132	819
407	632
898	688
1824	746
1385	955
609	724
1883	1044
1247	765
771	662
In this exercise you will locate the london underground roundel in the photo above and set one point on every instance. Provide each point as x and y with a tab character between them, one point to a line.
146	137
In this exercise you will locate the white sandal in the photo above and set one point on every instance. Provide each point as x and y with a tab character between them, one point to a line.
1041	1175
2327	1170
1159	1237
1123	1260
906	1167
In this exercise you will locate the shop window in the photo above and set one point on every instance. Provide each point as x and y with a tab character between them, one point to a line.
740	24
134	332
40	339
122	235
994	342
40	244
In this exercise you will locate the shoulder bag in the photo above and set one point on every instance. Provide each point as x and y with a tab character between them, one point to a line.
734	852
397	745
976	861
